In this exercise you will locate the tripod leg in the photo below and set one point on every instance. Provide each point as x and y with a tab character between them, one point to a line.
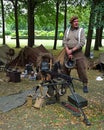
78	105
85	120
71	87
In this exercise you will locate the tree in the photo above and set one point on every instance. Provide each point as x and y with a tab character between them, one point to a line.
97	37
90	32
99	23
40	12
56	28
95	21
101	33
65	15
15	5
3	22
32	4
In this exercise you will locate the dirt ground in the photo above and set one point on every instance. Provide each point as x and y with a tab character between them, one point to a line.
54	116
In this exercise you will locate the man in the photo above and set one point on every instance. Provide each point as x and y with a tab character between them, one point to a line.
74	40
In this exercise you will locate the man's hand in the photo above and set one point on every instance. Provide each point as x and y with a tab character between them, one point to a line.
70	56
68	51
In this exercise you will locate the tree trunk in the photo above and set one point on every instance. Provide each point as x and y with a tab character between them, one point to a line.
101	32
3	23
56	30
97	43
16	25
65	16
98	27
100	36
97	38
30	24
89	35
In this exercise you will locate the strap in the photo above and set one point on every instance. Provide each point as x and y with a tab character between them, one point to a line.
79	34
68	29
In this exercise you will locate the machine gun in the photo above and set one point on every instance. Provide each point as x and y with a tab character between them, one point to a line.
63	80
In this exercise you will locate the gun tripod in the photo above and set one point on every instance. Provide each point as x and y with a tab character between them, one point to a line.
59	85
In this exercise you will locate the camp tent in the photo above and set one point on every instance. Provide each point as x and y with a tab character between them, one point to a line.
60	56
4	54
100	62
28	55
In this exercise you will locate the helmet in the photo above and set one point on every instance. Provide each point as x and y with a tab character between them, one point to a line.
70	63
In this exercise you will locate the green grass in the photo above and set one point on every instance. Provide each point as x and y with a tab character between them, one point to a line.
54	117
24	42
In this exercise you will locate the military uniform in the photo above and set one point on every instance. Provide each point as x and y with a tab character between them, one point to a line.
71	39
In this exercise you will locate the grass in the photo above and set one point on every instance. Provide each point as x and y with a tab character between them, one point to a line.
23	42
52	117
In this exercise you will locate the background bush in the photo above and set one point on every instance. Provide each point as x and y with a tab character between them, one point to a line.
39	34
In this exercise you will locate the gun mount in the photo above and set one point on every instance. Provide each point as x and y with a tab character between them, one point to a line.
59	82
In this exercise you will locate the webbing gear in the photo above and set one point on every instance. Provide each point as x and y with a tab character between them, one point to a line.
68	29
79	34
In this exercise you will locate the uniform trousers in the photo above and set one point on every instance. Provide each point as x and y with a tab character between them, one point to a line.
80	66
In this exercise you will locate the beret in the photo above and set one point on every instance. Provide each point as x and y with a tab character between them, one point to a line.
73	18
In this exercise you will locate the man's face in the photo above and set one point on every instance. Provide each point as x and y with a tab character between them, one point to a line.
75	23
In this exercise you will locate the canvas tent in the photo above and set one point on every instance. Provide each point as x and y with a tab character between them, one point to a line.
60	56
43	56
100	63
28	55
4	54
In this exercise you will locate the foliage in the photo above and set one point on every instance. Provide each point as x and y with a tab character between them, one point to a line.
81	12
98	12
13	34
23	34
7	32
45	16
45	19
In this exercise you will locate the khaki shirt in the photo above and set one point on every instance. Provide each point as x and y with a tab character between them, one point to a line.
71	38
